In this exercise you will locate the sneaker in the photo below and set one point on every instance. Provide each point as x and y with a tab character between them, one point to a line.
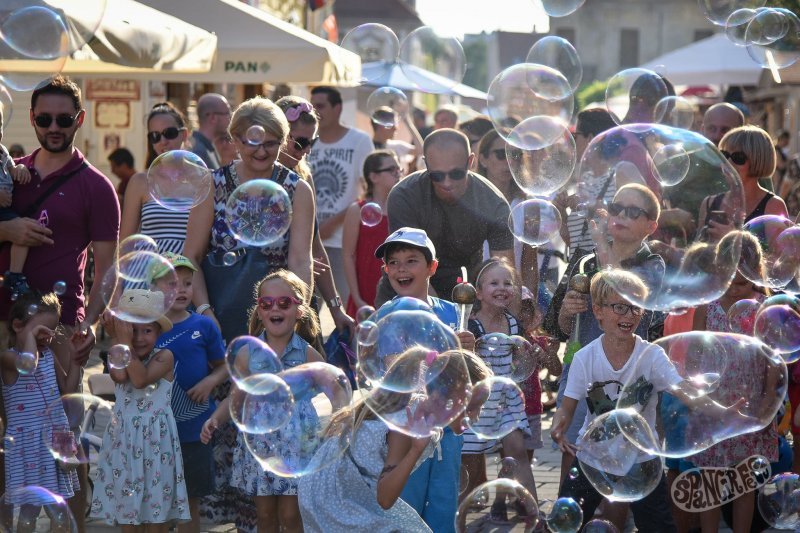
17	283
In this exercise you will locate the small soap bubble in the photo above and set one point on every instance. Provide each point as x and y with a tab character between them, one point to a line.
371	214
558	53
423	51
32	309
566	516
598	525
59	287
387	106
119	356
374	43
573	473
366	334
535	222
363	313
672	164
255	135
26	362
229	259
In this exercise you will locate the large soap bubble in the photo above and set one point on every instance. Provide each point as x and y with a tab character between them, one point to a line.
258	212
718	11
633	94
675	111
137	242
548	164
776	43
77	423
509	356
772	259
319	391
777	324
736	25
561	8
28	508
250	357
140	287
499	406
534	221
744	398
264	404
481	508
779	501
387	106
558	53
372	42
179	180
424	50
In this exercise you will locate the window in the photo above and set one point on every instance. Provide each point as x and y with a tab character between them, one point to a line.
699	35
568	34
628	48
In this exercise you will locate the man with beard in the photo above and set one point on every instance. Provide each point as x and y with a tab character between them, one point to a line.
66	206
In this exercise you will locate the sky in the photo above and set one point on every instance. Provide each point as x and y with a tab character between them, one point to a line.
457	17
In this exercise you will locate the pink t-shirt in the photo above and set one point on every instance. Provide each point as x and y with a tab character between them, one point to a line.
82	210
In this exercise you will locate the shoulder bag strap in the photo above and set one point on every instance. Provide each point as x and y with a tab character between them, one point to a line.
31	209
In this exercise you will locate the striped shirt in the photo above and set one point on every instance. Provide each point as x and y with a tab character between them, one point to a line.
167	228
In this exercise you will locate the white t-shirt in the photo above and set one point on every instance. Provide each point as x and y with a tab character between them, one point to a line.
336	169
592	378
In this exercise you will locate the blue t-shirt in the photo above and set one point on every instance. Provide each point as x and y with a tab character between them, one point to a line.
445	311
195	343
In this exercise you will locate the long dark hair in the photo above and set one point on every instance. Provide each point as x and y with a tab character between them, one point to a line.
162	108
373	162
484	149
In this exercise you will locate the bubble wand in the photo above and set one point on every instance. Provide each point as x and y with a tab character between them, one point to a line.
464	296
578	283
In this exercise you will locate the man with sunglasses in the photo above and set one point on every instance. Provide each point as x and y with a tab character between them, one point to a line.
213	118
67	206
458	209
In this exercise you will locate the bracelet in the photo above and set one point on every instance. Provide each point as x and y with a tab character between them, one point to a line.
203	308
334	302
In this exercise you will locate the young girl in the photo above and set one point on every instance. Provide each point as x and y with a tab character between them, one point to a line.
140	484
360	490
284	320
27	395
359	239
498	286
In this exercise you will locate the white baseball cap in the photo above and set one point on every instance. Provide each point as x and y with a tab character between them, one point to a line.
413	236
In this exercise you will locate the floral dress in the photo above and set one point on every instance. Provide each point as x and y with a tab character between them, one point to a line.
741	373
140	470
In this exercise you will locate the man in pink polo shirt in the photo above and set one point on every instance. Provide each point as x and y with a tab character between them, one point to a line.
65	207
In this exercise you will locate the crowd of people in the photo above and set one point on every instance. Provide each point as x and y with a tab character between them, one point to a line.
443	200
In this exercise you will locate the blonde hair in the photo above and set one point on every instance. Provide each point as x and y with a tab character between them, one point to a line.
307	325
259	111
615	281
756	145
650	200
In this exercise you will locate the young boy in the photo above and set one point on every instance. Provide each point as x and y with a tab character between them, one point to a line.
196	343
14	279
599	372
409	259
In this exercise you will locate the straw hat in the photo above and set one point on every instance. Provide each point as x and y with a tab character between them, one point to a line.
145	304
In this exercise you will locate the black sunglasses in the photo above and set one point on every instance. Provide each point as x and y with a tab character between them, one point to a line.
622	309
737	158
457	174
631	211
168	133
301	143
62	121
394	169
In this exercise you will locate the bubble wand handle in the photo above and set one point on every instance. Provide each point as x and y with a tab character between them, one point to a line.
578	283
464	296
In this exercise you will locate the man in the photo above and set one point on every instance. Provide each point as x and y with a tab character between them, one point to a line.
445	117
719	119
122	166
421	122
457	208
67	206
384	126
213	116
337	161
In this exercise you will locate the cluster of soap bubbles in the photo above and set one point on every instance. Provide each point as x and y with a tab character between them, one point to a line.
285	414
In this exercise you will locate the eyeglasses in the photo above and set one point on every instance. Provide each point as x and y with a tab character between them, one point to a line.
737	158
631	211
394	169
62	121
301	143
457	174
284	302
622	309
266	145
169	133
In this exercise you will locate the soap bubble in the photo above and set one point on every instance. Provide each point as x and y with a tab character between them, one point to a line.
598	525
718	11
779	501
526	91
179	180
633	94
255	135
372	42
258	212
132	295
500	501
767	26
561	8
229	258
752	378
565	516
26	362
736	25
548	165
558	53
32	310
137	243
534	222
302	446
777	324
573	473
771	259
393	334
263	404
387	106
21	508
784	51
363	313
119	356
675	111
499	406
248	357
424	49
27	81
509	356
60	288
672	164
366	334
371	214
435	389
612	464
77	424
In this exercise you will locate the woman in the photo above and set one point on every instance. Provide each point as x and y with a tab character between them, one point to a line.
166	131
221	287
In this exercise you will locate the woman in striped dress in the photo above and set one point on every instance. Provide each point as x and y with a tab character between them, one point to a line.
166	130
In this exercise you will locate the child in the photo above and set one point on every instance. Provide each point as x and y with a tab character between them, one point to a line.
14	279
284	320
199	352
633	216
409	260
27	396
361	491
359	239
497	285
612	359
140	485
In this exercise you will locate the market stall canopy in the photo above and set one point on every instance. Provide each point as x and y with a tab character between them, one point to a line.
383	74
256	47
711	61
131	38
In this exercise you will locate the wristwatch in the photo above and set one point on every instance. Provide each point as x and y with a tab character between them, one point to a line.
335	302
